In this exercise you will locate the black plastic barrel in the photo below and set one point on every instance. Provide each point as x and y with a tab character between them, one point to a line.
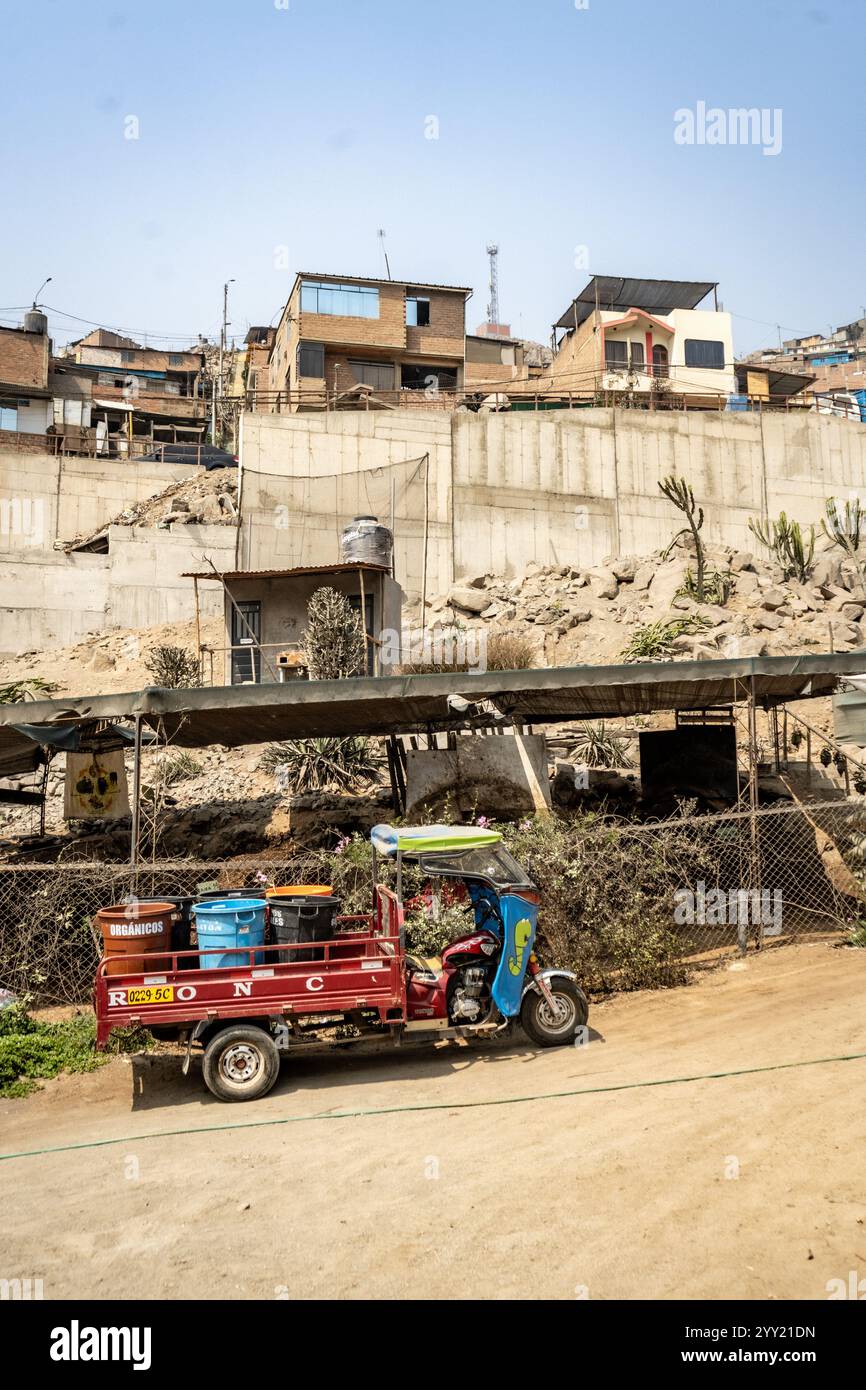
182	924
295	920
221	894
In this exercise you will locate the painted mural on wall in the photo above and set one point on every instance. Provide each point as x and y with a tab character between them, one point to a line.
95	786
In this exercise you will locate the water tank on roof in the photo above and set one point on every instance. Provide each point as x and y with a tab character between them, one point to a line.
35	321
364	541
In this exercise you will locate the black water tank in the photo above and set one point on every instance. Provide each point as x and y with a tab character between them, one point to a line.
364	541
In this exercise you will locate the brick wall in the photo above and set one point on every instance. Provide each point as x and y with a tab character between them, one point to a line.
444	337
366	338
23	358
388	330
25	443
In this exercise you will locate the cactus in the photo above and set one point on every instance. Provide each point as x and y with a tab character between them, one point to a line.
677	490
785	540
845	530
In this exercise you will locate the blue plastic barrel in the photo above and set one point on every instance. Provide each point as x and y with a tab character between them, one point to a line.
229	922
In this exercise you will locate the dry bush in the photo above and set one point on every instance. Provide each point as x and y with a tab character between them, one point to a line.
504	651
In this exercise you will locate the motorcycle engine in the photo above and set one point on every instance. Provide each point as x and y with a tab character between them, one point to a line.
466	1001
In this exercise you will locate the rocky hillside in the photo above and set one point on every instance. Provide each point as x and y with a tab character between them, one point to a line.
639	608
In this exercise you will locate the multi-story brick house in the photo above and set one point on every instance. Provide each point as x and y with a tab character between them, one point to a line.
149	393
341	338
622	334
42	404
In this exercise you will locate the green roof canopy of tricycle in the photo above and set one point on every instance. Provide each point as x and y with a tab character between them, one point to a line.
427	839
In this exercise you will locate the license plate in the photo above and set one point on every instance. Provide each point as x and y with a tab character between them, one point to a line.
152	994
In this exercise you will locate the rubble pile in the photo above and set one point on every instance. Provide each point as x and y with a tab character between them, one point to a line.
206	498
574	615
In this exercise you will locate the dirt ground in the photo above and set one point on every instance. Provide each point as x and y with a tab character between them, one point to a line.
740	1187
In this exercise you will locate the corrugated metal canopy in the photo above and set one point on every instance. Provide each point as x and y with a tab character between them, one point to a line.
344	568
624	292
238	715
779	383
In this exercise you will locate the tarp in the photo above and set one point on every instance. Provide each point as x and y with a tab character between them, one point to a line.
21	745
377	706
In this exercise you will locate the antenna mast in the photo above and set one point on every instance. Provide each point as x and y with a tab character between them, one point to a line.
381	235
493	306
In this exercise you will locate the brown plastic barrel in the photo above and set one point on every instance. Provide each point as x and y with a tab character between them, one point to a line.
133	933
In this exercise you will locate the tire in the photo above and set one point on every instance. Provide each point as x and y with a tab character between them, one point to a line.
241	1063
535	1014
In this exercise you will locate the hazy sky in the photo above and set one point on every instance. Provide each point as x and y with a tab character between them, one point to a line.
277	135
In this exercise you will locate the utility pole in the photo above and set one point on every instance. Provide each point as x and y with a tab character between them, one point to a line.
223	332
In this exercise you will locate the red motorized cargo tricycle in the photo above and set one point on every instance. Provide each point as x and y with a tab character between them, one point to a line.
362	984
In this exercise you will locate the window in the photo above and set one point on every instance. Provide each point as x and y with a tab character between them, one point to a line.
420	378
8	415
637	357
347	301
311	360
379	375
175	359
660	360
127	356
704	352
615	355
417	311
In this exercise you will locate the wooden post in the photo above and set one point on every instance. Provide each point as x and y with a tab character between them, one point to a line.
755	862
364	617
198	630
136	805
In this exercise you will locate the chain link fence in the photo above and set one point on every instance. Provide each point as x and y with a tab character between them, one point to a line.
718	883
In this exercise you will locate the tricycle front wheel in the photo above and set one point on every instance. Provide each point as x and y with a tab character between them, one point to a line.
241	1063
556	1025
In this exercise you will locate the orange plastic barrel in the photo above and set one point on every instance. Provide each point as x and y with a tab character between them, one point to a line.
133	933
301	890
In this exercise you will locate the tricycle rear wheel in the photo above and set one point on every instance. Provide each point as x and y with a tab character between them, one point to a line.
241	1063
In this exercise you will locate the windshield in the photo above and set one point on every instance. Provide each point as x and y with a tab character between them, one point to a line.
492	862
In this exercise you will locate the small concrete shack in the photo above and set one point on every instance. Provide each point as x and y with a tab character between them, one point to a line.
266	614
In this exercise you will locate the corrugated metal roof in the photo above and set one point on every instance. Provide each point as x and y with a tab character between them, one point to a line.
342	568
369	280
624	292
377	706
779	383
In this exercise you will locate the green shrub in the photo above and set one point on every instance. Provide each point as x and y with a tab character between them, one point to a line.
32	1050
607	895
173	668
313	764
655	641
179	768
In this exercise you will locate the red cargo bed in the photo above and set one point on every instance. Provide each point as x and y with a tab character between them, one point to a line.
363	967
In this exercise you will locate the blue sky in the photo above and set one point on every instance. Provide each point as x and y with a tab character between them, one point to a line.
273	137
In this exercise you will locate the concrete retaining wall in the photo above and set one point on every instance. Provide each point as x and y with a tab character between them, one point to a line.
51	599
44	498
488	492
554	486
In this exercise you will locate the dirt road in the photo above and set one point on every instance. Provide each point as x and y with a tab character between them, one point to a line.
744	1187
